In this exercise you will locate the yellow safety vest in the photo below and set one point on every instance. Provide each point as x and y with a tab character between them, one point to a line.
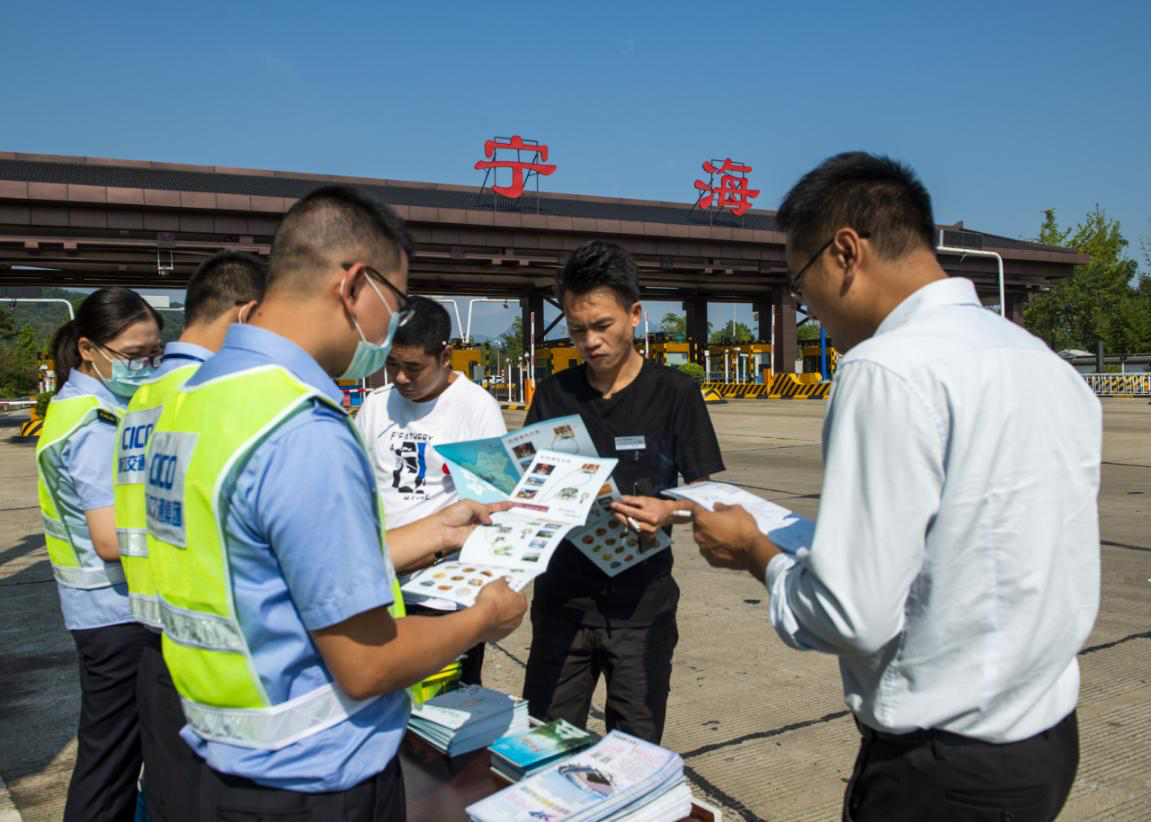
132	437
75	563
200	445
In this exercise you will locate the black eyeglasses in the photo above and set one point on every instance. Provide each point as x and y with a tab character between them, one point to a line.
138	363
793	281
405	311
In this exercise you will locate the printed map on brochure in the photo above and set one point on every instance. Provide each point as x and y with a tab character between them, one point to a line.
787	529
555	494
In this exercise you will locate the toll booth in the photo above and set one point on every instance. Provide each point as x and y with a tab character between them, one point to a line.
809	352
554	356
468	359
739	362
668	349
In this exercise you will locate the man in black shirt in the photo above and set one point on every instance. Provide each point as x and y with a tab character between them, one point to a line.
652	418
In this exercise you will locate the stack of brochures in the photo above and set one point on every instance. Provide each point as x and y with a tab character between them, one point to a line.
515	757
620	778
468	719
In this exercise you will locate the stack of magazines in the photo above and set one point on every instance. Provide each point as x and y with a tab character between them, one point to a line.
468	719
515	757
621	778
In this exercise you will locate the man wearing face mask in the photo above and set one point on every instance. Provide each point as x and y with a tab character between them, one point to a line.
223	290
275	581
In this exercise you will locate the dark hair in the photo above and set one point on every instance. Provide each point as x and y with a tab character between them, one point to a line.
599	264
102	316
865	192
430	327
334	225
222	282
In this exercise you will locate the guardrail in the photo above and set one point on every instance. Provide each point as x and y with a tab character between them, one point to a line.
1120	385
782	387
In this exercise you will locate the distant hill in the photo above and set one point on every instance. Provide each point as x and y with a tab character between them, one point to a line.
46	318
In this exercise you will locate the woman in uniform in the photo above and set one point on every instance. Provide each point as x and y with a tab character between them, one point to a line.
101	356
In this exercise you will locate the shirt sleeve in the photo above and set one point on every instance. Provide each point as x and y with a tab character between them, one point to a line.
882	482
697	451
313	499
88	459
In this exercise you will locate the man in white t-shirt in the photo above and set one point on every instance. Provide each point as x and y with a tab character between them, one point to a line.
426	404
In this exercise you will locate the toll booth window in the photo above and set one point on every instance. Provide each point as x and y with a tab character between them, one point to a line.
676	358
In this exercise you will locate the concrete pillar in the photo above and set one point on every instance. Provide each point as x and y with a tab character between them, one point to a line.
695	312
784	346
533	302
1016	300
763	320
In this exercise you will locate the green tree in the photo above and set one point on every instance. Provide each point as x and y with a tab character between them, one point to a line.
19	353
1101	300
673	323
511	342
732	332
807	332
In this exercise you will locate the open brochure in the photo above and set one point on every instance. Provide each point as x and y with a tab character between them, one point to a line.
500	468
555	493
788	530
618	772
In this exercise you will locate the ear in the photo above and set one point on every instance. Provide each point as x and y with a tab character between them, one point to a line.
847	249
87	349
636	313
446	356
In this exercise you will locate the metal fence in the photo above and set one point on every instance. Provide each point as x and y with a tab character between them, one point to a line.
1120	385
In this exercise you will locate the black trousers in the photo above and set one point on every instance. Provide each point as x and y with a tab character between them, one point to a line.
944	777
226	798
567	659
170	789
472	662
103	786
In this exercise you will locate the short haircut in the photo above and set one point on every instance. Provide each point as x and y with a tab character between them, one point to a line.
599	264
429	328
863	191
331	226
222	282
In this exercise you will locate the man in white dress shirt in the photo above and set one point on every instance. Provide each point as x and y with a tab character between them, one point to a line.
955	564
426	404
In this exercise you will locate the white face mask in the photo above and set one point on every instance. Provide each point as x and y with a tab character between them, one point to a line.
370	357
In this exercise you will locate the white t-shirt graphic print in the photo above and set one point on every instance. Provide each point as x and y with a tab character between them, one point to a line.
400	435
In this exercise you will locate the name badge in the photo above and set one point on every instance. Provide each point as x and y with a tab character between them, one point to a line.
630	443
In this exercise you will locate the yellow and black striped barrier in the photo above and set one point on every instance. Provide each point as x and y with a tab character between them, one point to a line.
514	406
782	387
711	395
31	428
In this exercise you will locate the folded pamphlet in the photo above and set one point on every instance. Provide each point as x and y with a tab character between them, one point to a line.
518	756
789	531
467	719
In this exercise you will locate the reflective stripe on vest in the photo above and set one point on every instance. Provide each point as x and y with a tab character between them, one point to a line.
132	544
273	728
200	446
88	578
146	610
130	469
74	564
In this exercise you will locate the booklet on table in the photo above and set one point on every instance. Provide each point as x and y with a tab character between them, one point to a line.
614	778
791	532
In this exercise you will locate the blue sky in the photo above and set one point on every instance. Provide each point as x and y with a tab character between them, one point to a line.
1004	108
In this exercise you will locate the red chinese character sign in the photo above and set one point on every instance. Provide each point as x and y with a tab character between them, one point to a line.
536	163
732	191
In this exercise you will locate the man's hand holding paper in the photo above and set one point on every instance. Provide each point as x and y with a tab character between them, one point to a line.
729	537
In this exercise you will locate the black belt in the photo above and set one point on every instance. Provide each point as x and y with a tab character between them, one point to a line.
914	739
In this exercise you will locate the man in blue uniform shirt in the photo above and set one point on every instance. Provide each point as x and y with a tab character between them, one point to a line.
310	587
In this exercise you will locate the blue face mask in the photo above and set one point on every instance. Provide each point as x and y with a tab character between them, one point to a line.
124	381
370	357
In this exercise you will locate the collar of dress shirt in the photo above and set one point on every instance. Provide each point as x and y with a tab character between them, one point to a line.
177	350
952	291
281	351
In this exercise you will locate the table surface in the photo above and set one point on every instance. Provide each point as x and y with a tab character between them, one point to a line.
440	789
